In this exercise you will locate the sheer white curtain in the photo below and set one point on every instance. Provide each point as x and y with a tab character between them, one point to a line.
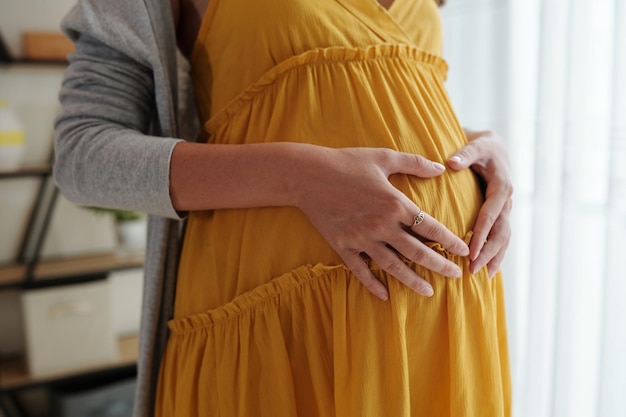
550	76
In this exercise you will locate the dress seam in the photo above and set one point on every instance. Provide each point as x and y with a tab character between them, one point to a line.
281	286
191	324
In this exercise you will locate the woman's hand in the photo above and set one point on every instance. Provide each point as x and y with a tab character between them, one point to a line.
348	197
486	155
345	193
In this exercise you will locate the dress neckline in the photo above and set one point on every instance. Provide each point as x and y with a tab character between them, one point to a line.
380	19
388	8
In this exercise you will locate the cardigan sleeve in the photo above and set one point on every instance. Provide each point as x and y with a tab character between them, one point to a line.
104	154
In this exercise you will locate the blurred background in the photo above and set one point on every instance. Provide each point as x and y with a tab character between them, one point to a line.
70	288
548	76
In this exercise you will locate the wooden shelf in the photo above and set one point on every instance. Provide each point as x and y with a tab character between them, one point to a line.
34	170
51	269
14	373
12	274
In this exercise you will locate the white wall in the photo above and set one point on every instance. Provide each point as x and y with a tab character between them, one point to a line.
17	16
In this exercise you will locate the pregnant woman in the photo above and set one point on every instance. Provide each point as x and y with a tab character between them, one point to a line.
330	264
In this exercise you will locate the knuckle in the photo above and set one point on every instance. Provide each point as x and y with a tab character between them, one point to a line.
421	162
419	159
497	239
417	285
491	250
395	207
419	256
344	243
376	229
387	156
393	267
360	271
488	217
436	234
498	226
467	151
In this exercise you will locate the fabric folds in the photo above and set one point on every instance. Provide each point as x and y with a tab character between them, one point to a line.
268	320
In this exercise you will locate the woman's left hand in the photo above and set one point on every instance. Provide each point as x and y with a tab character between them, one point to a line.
486	155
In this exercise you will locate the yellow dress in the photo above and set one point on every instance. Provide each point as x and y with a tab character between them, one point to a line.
268	321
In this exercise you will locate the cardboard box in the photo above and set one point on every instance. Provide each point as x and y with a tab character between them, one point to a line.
68	328
46	46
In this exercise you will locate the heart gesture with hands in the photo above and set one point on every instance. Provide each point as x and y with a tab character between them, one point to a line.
350	201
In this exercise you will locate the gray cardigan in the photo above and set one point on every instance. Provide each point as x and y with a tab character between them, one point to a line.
114	138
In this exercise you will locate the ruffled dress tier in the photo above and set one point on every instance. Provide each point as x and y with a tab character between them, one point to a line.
268	321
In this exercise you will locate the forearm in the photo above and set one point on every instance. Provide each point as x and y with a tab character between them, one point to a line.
204	177
345	194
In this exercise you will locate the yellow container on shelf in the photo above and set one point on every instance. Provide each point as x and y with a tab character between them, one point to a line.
11	139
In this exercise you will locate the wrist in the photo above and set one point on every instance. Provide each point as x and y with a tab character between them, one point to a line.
299	164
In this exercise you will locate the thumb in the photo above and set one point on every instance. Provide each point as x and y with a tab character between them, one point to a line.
464	157
412	164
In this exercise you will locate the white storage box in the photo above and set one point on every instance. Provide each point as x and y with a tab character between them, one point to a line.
68	328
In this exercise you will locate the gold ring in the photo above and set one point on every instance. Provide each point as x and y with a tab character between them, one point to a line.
419	217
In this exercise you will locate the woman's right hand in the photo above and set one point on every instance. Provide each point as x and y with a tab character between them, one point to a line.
347	196
345	193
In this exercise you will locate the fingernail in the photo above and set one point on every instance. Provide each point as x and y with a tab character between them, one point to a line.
439	167
383	296
428	291
457	158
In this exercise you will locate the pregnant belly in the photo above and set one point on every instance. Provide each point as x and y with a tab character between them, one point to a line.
234	251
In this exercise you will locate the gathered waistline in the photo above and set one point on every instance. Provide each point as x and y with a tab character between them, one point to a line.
277	287
321	56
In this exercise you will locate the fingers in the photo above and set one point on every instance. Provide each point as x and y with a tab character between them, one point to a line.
422	255
486	155
495	247
434	231
414	250
392	264
487	216
494	265
361	271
